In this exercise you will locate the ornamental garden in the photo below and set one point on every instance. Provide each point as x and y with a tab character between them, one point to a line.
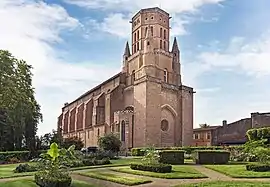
245	165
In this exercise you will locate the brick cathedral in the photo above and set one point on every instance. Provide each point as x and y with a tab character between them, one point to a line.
146	103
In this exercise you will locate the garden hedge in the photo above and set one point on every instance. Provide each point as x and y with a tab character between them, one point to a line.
259	133
212	157
258	167
158	168
171	157
188	150
21	156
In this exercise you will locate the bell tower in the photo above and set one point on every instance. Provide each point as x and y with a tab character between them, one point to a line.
153	78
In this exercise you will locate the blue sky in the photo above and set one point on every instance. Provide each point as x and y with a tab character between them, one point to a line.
75	44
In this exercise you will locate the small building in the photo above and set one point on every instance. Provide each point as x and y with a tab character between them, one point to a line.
235	133
203	136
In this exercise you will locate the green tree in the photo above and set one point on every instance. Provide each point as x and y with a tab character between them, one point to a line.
76	141
109	142
18	101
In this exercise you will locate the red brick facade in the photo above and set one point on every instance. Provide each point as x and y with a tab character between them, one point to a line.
146	103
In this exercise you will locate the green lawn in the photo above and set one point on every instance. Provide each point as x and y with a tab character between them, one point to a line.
31	183
117	178
179	172
238	171
6	171
226	184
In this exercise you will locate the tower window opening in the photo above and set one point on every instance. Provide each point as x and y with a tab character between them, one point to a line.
138	35
148	43
152	17
152	31
165	72
138	46
165	34
160	44
133	76
164	45
146	30
160	33
134	48
135	37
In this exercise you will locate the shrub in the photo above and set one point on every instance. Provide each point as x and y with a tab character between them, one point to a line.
151	156
19	155
57	179
212	157
258	167
159	168
99	155
51	171
25	168
137	152
171	157
110	142
76	141
258	133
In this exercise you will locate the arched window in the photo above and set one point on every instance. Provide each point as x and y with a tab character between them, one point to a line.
123	131
164	125
138	35
160	44
165	71
135	48
165	34
160	33
146	30
135	37
152	31
138	46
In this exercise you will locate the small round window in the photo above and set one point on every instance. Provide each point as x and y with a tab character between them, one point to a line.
164	125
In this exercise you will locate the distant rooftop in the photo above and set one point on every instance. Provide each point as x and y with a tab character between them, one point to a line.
206	128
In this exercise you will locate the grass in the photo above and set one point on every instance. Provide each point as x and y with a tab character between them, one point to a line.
238	171
179	172
6	171
226	184
130	181
31	183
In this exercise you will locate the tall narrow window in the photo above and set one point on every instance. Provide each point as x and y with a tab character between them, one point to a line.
160	44
152	31
165	34
123	130
165	75
98	133
146	30
138	46
135	37
164	45
135	48
160	33
138	35
133	77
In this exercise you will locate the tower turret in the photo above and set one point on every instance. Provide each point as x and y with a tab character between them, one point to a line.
125	57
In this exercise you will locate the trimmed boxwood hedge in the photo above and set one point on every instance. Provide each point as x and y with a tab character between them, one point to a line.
20	155
258	167
212	157
140	151
158	168
171	157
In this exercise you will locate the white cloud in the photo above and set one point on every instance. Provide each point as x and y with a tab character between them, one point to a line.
28	29
172	6
249	57
117	22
